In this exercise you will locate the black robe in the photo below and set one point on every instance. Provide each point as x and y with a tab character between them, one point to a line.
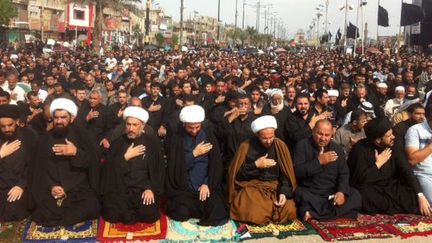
78	175
316	182
123	182
14	171
281	118
390	190
183	201
297	129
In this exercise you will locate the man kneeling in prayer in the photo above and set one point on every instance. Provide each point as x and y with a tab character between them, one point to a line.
261	177
133	176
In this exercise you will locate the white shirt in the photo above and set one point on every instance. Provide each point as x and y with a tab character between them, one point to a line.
110	63
42	94
18	91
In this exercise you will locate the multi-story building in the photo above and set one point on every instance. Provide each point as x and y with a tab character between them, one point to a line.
67	20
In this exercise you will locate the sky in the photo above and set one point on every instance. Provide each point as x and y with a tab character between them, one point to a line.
295	14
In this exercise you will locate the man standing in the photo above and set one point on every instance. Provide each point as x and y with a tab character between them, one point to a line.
66	174
16	151
262	177
133	176
323	190
385	181
194	172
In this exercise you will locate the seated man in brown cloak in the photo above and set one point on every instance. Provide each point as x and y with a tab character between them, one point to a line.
261	178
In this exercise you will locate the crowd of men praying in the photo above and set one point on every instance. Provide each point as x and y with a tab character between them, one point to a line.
213	135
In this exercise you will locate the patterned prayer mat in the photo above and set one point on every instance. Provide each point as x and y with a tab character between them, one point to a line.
365	227
190	231
411	225
81	232
280	231
137	232
12	232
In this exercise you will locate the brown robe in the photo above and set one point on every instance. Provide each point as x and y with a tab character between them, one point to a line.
253	201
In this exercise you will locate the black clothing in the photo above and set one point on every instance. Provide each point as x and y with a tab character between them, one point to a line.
14	171
78	175
391	189
296	129
182	201
249	171
156	117
124	182
317	182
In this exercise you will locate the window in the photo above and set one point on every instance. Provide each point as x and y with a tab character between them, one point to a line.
78	14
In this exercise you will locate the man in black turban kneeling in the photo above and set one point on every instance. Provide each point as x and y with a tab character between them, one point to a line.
385	181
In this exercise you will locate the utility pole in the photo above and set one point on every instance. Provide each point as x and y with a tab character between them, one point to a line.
346	24
258	15
181	23
326	16
243	17
236	14
218	25
147	22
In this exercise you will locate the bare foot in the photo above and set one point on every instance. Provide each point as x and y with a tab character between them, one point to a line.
307	216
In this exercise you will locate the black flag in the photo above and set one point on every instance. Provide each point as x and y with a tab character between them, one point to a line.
383	19
351	31
411	14
338	37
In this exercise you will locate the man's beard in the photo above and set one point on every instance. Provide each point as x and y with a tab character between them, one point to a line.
61	130
277	107
10	136
303	112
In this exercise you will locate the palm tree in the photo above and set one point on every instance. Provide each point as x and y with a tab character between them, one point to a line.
100	5
252	35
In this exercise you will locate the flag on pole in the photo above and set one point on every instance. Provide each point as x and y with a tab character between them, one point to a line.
338	37
411	14
351	31
383	19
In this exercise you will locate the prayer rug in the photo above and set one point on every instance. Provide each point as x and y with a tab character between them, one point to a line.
136	232
190	231
12	232
280	231
81	232
365	227
411	225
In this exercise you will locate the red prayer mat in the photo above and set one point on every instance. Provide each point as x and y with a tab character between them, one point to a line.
137	232
367	227
378	226
411	225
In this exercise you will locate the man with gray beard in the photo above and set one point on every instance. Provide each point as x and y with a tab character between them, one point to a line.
277	108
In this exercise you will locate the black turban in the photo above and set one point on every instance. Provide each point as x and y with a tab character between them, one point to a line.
377	127
9	111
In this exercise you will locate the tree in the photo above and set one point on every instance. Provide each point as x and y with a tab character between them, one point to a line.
7	12
100	5
252	35
136	29
160	39
175	39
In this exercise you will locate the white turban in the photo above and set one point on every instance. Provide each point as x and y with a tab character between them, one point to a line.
136	112
400	89
333	92
275	92
382	85
192	114
263	123
64	104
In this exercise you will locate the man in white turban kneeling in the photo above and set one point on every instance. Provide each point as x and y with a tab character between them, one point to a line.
132	179
66	179
261	178
194	172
